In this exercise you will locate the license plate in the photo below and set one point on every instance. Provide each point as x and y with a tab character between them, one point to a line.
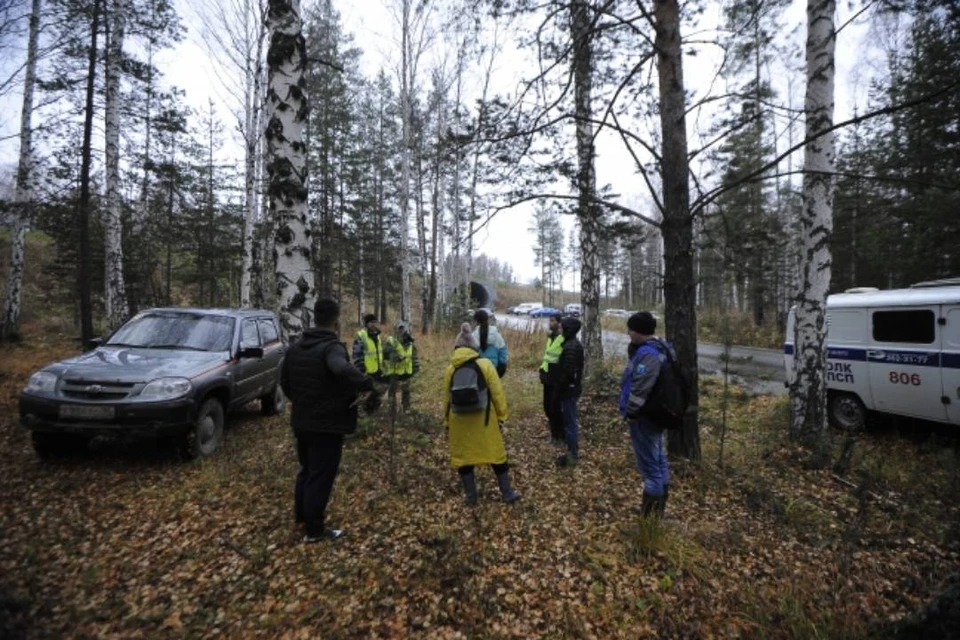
86	412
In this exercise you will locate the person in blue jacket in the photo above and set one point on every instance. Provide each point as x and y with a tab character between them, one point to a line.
492	345
647	355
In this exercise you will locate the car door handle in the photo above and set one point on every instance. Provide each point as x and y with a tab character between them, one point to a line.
876	354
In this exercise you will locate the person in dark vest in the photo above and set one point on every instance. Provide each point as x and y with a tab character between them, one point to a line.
551	356
639	378
401	361
568	385
324	388
475	436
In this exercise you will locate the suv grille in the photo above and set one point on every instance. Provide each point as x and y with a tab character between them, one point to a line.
87	390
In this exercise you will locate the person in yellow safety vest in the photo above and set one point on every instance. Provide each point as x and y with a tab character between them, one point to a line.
400	361
368	349
548	374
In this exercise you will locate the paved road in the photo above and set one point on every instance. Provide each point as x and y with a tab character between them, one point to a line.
760	370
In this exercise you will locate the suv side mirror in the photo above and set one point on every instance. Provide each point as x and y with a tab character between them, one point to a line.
250	352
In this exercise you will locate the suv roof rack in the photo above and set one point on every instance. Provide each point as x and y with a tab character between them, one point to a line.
945	282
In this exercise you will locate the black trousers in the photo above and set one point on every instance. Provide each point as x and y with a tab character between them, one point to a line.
319	455
551	408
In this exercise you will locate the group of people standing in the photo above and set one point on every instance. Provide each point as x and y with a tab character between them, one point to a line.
326	388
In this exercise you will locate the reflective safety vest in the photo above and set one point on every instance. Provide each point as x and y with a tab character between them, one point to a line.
372	356
402	362
552	355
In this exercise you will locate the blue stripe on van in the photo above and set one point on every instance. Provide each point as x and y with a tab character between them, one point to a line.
891	356
835	353
950	361
908	358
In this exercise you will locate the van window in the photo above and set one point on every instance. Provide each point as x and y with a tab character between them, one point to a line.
916	326
846	326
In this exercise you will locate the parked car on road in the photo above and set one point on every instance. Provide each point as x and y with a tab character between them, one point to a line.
573	309
525	308
616	313
171	373
544	312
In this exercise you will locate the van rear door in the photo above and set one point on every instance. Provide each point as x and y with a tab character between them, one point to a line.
903	358
950	337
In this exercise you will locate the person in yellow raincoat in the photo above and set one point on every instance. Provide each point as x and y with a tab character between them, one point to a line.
475	406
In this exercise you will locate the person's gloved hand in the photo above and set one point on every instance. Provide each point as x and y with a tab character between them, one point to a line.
372	403
501	369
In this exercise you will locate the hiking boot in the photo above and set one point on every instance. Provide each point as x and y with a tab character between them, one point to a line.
662	503
509	494
328	534
566	460
650	505
469	481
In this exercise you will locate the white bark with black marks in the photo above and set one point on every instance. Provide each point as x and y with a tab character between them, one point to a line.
808	394
117	309
588	213
23	195
286	166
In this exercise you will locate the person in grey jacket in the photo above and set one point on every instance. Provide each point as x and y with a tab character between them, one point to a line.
646	436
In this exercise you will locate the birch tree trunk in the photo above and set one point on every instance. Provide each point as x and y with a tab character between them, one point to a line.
115	291
405	105
679	288
23	195
287	167
808	394
587	211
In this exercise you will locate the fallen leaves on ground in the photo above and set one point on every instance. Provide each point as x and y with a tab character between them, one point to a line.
128	541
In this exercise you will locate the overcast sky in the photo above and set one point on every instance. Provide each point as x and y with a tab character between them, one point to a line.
506	236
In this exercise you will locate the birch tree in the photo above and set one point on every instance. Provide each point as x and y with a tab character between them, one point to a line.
286	166
808	394
115	291
588	213
23	194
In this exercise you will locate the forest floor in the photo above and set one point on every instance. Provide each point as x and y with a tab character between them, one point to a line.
128	541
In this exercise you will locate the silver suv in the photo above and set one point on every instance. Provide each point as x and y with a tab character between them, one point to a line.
166	373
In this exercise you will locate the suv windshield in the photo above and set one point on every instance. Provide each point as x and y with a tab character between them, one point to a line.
191	331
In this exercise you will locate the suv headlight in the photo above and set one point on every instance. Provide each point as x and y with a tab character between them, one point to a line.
42	383
165	389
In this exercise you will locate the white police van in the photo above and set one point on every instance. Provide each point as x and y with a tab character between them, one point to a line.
895	351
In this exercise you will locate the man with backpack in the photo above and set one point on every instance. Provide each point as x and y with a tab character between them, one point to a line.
475	406
650	399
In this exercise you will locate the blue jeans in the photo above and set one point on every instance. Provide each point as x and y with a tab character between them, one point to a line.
651	456
571	425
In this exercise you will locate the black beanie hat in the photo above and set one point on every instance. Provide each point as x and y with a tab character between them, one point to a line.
642	322
367	319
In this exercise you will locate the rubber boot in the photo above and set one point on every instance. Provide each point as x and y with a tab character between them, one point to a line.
662	503
469	481
650	505
507	491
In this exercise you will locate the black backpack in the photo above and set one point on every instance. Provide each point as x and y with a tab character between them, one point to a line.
671	393
468	390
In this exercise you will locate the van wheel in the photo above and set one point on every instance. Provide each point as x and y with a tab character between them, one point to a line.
274	403
203	438
846	412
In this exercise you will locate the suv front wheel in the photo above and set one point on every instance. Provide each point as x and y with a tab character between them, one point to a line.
204	437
